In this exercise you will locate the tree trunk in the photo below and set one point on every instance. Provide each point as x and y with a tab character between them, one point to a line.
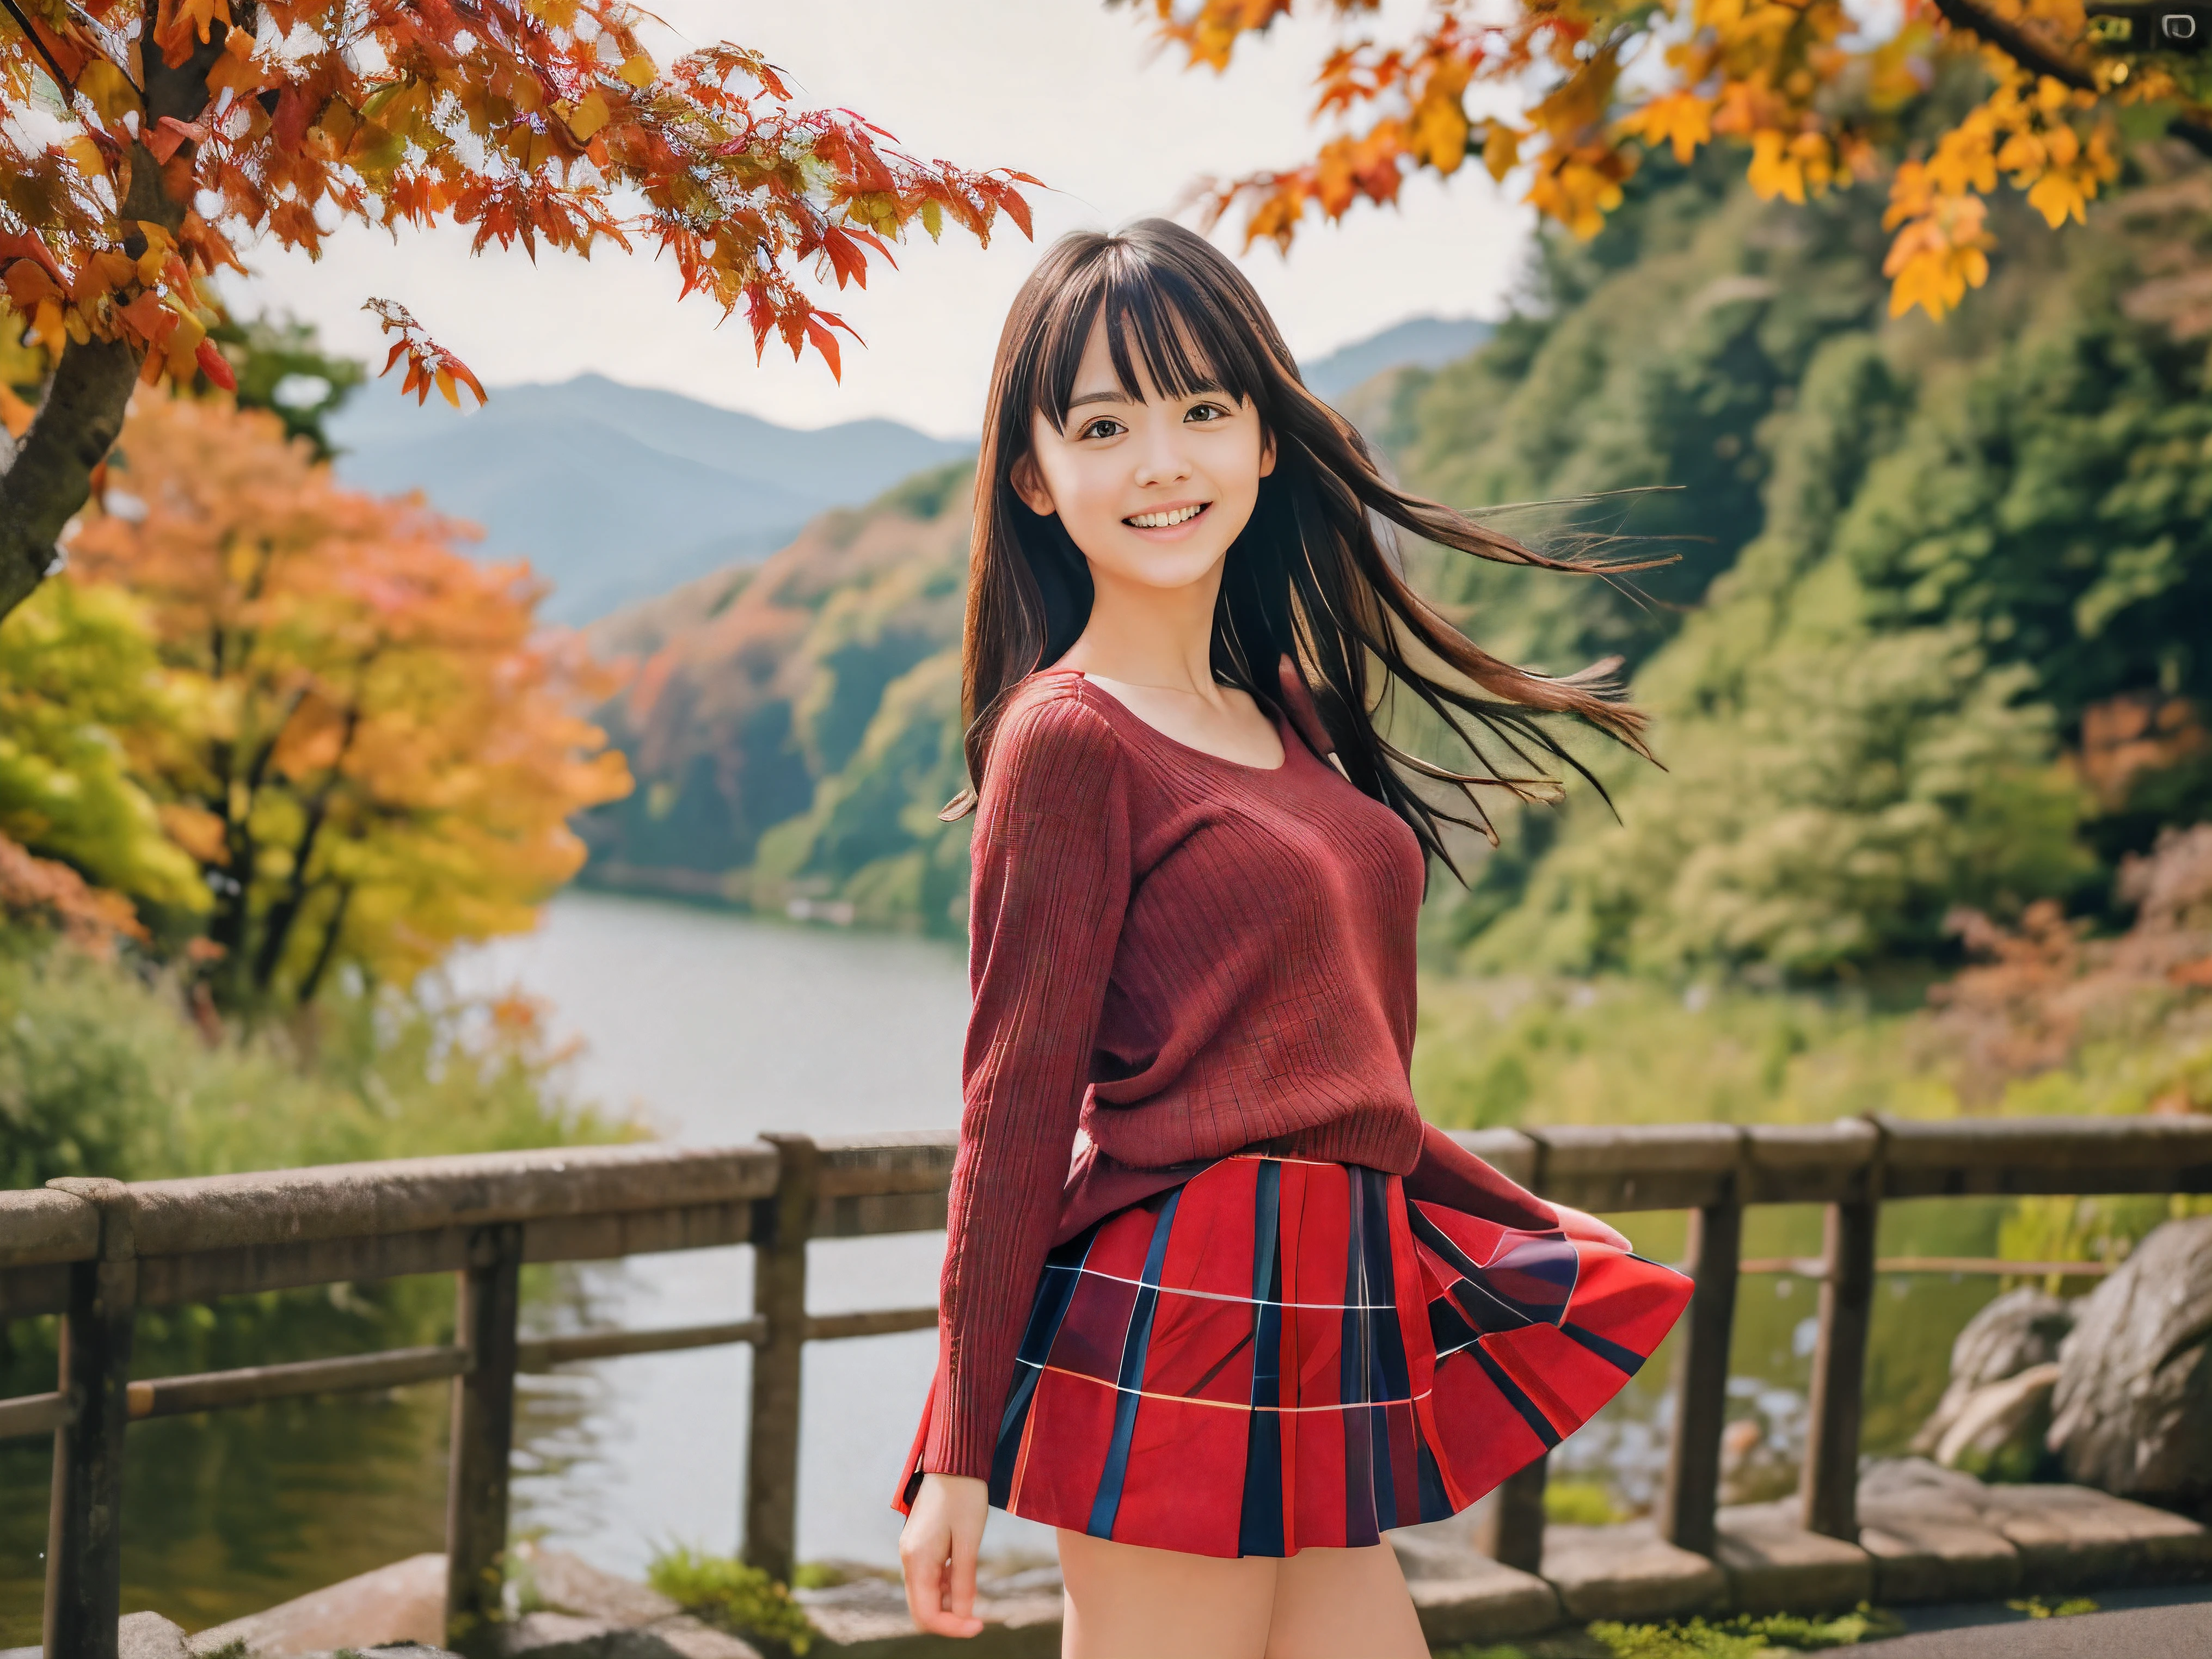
78	419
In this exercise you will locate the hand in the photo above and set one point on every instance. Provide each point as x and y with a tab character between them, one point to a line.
1579	1224
937	1552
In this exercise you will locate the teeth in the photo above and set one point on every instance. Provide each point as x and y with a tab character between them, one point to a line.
1162	521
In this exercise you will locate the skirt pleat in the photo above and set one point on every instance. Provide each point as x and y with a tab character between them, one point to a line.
1281	1353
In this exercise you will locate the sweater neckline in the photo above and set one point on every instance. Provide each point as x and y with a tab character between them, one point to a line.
1116	706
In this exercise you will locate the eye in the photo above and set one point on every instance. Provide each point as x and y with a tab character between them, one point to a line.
1205	414
1103	427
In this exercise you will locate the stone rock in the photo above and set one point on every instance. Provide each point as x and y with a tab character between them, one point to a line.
404	1602
1998	1433
2020	1330
148	1635
866	1619
1463	1596
565	1636
2132	1411
1774	1565
1627	1573
569	1583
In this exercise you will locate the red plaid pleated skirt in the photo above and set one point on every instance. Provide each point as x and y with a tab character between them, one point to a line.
1281	1353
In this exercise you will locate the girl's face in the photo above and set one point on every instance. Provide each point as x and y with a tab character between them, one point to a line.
1153	492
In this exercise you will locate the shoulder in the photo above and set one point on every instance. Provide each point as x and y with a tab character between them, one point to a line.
1052	737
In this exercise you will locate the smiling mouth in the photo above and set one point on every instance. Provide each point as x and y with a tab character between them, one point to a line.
1166	520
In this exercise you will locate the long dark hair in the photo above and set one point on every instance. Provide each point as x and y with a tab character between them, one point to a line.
1312	576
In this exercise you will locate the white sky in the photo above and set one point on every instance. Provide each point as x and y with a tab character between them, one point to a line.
1067	90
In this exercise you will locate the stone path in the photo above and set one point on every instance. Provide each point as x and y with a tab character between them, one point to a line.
1929	1535
2175	1630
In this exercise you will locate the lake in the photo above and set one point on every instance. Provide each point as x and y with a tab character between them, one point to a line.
713	1027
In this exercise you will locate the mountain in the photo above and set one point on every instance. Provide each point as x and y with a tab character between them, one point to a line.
615	492
1417	343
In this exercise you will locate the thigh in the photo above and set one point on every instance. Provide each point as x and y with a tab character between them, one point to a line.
1329	1603
1128	1602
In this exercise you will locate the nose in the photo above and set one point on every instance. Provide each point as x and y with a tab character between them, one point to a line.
1160	458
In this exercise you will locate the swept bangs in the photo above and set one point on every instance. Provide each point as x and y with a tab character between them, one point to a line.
1176	330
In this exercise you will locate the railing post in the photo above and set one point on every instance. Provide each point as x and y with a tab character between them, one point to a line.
1512	1534
781	1224
1830	1483
488	1304
84	1529
1692	1500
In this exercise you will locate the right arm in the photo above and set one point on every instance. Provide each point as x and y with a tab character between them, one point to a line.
1052	876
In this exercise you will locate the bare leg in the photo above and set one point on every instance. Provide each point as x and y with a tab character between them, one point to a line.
1128	1602
1331	1603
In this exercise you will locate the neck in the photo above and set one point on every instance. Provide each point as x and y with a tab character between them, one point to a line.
1154	636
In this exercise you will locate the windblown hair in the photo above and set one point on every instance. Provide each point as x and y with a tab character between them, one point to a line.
1314	574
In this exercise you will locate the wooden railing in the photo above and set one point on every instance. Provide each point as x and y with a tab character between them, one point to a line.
95	1251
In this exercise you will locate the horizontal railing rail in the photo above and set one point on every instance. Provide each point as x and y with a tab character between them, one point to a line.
95	1251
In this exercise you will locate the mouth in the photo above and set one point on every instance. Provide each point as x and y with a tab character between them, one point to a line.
1166	518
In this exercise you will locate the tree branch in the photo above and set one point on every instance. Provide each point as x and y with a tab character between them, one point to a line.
79	418
51	477
68	88
2030	53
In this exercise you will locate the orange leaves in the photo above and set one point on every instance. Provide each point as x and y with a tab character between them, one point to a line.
1809	91
385	749
428	364
542	122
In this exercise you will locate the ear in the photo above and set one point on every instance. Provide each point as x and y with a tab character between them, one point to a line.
1027	480
1267	453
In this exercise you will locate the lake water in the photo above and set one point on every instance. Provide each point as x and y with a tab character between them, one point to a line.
715	1027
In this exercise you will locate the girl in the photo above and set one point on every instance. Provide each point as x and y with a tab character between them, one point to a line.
1217	1303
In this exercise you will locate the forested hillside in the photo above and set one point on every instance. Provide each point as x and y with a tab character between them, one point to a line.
1939	636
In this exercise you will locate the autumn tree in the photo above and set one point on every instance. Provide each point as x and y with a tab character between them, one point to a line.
1568	94
378	753
142	142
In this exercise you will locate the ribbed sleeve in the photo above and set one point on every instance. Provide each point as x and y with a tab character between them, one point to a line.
1051	880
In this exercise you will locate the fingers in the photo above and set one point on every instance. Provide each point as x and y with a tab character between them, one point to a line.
925	1552
1580	1224
967	1544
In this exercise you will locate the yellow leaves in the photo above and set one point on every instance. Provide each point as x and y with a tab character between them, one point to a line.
110	89
587	116
87	156
1941	249
1439	128
1793	167
638	71
1501	149
159	246
1578	187
1682	119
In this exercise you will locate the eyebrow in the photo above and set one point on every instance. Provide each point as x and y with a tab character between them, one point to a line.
1117	396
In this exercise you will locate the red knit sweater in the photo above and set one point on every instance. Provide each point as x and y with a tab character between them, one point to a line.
1186	956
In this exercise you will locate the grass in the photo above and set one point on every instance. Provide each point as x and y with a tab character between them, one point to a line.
1580	1504
2036	1607
1743	1637
102	1073
726	1593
